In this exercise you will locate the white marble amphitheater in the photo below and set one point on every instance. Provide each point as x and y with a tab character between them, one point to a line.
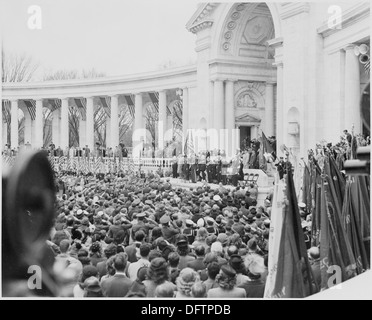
287	69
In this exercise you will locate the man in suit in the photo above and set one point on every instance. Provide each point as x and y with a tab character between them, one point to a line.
198	263
119	284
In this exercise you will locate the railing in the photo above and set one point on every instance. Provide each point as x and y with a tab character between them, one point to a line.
153	162
101	164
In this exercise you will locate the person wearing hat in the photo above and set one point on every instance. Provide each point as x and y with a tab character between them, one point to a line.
236	262
211	226
143	223
314	257
280	167
169	233
215	211
183	250
221	224
254	287
121	225
226	279
88	271
92	288
302	209
189	231
237	226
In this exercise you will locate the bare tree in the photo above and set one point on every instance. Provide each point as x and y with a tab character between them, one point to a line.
17	68
72	74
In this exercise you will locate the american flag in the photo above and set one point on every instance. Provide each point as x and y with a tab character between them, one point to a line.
106	104
31	107
6	111
98	165
131	166
189	144
72	164
8	160
62	163
154	97
81	104
55	104
129	99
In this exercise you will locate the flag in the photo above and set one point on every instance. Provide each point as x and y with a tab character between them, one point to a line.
31	107
335	248
62	163
97	165
277	210
189	144
130	103
355	218
293	278
266	145
131	166
106	104
81	104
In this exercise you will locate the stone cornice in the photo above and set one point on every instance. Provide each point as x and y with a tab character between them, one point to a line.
149	81
256	62
196	22
201	25
348	18
290	9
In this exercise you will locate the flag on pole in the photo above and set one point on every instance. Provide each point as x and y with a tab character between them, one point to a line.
293	275
189	144
276	224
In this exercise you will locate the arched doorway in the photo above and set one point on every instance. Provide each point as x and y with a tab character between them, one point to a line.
242	49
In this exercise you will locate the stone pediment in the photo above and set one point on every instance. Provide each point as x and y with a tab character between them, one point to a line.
247	118
202	18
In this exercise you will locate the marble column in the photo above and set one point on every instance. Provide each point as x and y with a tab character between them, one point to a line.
39	124
138	125
269	109
279	107
28	127
352	91
230	139
162	123
56	125
14	124
64	138
90	124
82	133
114	122
185	114
219	112
211	105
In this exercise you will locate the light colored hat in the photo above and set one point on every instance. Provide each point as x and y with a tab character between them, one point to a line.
301	205
216	198
200	222
255	264
216	247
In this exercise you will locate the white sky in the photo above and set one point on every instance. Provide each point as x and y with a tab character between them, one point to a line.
113	36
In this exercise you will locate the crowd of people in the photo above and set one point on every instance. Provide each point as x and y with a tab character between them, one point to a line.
135	235
130	236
